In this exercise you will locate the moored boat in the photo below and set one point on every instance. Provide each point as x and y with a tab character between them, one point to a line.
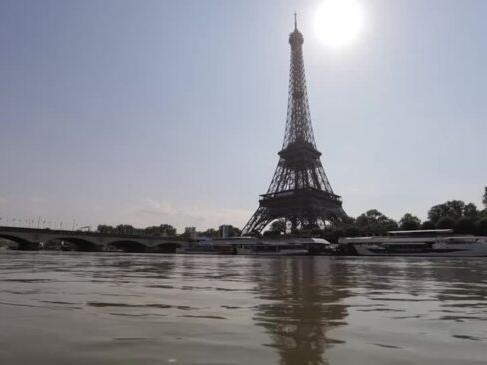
290	246
286	246
434	243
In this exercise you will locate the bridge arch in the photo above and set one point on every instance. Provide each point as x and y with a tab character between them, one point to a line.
128	246
22	243
168	247
80	244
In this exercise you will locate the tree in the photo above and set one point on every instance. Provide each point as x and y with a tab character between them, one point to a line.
482	227
470	211
235	232
165	230
445	223
428	225
409	222
452	208
352	231
484	200
374	222
124	229
465	225
103	228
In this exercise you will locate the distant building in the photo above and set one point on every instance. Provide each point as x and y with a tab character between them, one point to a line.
190	232
225	230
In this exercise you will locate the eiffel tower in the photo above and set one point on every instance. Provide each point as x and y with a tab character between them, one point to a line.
300	192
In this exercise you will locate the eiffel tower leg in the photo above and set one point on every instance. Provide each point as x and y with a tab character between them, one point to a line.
257	223
336	216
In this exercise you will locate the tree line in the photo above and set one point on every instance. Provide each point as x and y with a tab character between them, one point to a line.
461	217
165	230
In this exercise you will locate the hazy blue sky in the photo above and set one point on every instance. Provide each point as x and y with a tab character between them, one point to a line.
149	112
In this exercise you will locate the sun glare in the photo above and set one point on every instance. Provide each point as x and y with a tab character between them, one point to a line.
339	22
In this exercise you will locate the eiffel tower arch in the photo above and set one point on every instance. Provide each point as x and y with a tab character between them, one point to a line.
300	192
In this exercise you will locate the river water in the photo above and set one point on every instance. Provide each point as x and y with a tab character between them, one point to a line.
110	308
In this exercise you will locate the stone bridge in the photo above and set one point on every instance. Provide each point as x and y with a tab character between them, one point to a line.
33	239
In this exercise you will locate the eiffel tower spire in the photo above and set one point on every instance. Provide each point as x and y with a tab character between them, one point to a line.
299	192
298	123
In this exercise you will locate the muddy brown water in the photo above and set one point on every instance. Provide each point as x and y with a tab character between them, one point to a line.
110	308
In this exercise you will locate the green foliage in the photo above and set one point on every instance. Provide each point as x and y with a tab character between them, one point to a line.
452	208
409	222
125	229
482	227
484	200
470	210
352	231
120	229
428	225
331	235
465	225
445	223
164	230
103	228
375	223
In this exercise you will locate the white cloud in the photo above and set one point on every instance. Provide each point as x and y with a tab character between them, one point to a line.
153	212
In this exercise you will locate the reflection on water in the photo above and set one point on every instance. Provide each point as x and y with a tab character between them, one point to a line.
80	308
305	301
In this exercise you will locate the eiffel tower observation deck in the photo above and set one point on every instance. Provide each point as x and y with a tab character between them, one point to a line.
300	192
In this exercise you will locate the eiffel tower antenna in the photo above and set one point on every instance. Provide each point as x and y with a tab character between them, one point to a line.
299	192
295	20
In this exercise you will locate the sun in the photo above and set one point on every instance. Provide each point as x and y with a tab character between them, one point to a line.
339	22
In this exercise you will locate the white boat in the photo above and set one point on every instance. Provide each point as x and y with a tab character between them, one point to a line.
434	243
284	247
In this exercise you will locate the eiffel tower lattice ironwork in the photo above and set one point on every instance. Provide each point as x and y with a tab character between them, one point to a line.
300	192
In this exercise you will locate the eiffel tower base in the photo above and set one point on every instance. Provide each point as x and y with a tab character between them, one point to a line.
302	209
